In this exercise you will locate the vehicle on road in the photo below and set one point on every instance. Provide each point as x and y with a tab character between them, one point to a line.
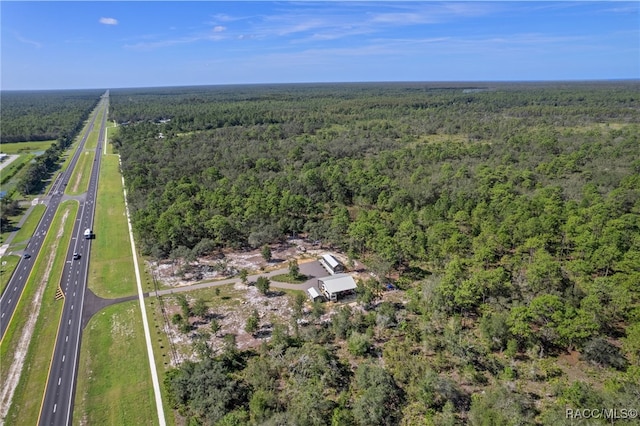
26	256
88	234
76	256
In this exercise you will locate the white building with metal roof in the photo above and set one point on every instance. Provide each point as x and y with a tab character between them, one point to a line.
331	264
337	285
313	293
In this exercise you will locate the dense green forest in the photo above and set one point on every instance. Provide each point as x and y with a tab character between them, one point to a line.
508	214
44	115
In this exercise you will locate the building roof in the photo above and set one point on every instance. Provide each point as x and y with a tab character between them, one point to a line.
339	282
313	292
330	260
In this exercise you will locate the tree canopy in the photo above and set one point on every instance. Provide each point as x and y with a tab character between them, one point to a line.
508	216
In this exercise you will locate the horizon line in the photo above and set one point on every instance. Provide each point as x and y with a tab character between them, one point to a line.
327	83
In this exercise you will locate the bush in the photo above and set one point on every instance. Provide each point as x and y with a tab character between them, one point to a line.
358	344
603	353
263	284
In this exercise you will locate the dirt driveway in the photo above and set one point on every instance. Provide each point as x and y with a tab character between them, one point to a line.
313	270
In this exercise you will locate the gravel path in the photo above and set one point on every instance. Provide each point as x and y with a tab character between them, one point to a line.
10	159
311	269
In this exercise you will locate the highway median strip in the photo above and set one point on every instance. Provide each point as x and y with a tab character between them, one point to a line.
38	314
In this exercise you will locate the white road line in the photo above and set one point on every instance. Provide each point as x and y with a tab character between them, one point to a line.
145	322
59	380
66	339
54	407
63	357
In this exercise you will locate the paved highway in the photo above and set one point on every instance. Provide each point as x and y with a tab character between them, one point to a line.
14	289
57	406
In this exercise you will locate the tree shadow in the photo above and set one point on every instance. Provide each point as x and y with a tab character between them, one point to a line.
8	227
262	334
266	330
214	316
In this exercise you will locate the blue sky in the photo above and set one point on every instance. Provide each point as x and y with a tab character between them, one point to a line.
65	45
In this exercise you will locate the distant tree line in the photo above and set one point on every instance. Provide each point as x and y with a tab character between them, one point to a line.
59	115
41	168
45	115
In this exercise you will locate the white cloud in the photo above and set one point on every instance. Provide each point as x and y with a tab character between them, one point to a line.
219	29
108	21
160	44
28	41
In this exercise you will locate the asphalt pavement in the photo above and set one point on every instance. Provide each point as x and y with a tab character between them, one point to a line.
313	271
57	406
13	290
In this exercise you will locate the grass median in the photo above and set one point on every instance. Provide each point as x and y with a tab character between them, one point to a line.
30	336
69	153
79	182
92	139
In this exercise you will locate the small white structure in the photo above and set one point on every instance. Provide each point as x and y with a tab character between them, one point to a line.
331	264
313	294
337	285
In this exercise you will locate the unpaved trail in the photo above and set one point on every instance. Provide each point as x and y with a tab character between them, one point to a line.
8	386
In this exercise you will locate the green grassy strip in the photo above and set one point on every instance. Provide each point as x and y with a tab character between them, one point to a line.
161	347
112	274
114	384
25	147
287	278
159	340
12	169
92	140
79	182
7	266
68	155
82	173
113	131
27	399
30	225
